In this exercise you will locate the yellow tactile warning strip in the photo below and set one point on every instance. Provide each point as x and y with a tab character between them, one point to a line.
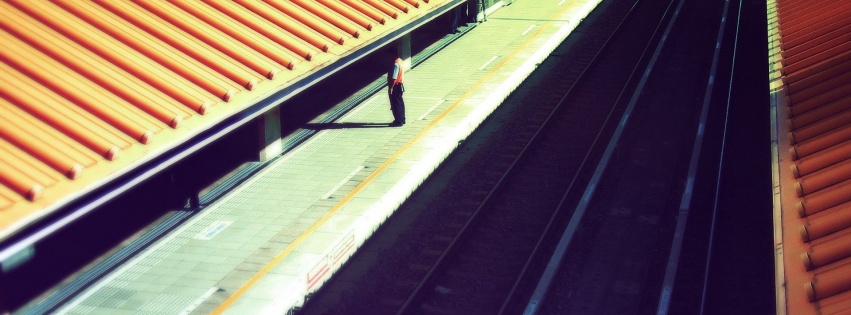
225	305
813	96
90	88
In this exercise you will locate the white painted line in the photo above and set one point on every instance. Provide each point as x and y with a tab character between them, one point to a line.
529	29
198	301
342	182
431	109
561	3
489	62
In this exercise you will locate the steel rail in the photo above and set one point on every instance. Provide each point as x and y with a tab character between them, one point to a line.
682	217
720	161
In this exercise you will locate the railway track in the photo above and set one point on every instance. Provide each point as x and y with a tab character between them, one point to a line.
508	233
626	252
473	254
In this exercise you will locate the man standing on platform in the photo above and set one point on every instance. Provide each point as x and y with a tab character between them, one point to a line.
395	89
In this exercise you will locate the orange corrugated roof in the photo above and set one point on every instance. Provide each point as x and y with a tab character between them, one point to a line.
90	88
815	157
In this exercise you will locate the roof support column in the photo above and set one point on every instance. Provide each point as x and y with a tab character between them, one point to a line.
403	48
269	134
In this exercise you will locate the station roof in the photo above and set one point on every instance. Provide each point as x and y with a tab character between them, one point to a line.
91	90
813	94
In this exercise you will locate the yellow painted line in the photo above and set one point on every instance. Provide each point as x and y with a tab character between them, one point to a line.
300	239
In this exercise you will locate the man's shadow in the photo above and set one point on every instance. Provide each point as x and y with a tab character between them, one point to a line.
327	126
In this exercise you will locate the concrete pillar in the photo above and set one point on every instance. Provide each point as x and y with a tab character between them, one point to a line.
269	134
403	47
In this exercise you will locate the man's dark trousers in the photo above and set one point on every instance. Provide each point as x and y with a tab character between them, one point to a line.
397	104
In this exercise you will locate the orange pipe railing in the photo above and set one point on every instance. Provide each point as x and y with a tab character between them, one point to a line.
803	105
123	59
824	19
82	94
305	18
86	66
383	7
129	60
797	54
822	254
829	283
834	220
824	178
791	21
789	4
39	149
820	143
22	162
818	44
398	5
366	10
414	3
291	40
46	39
808	15
28	165
794	12
793	65
813	35
807	90
103	148
828	157
26	170
824	199
837	107
818	72
218	23
277	20
818	82
16	180
821	127
148	48
40	105
57	141
339	9
174	39
204	34
322	13
840	304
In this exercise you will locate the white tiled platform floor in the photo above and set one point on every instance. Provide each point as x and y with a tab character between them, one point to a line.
281	234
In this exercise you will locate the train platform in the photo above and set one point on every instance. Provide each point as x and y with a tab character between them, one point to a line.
265	245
